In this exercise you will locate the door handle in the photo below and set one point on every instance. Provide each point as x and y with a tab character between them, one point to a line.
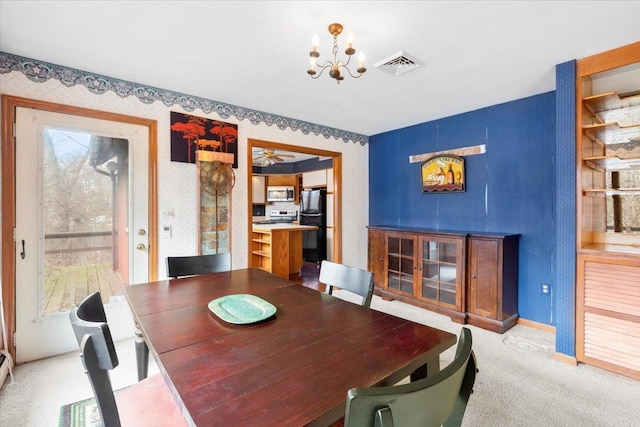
22	254
141	247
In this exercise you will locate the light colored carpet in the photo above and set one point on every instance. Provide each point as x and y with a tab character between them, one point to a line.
43	386
519	383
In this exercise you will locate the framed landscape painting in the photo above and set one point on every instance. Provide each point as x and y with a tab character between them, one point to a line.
190	133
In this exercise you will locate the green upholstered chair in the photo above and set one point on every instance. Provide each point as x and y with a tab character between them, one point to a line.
351	279
146	403
439	400
178	266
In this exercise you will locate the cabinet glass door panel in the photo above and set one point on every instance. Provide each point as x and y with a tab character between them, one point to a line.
400	264
407	266
393	281
406	284
430	270
399	281
394	263
430	289
439	274
393	245
406	247
447	252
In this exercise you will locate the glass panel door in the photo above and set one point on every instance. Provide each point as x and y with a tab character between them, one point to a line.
439	271
81	188
400	263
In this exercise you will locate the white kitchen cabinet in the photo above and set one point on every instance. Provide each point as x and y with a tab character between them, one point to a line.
314	179
259	190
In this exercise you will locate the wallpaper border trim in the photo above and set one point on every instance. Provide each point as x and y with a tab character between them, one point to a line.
40	72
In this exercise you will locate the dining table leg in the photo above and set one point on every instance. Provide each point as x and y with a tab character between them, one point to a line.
428	370
142	355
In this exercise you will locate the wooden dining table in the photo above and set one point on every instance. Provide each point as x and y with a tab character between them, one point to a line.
292	369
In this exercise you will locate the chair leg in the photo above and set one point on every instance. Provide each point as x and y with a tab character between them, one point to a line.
142	355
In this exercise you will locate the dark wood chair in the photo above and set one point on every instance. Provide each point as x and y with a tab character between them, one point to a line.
351	279
439	400
178	266
146	403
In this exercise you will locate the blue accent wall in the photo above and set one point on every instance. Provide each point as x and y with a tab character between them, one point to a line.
511	188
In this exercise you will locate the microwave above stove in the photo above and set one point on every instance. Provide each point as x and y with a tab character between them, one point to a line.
280	194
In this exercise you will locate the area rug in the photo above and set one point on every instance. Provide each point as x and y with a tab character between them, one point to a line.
83	413
80	414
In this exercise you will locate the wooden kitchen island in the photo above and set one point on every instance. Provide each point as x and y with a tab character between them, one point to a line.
277	248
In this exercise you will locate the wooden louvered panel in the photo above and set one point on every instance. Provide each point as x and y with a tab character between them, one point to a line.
612	340
597	272
608	308
611	303
613	288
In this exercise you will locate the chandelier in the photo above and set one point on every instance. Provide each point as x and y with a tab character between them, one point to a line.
336	67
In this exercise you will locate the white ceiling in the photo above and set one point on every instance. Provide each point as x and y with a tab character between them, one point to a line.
254	54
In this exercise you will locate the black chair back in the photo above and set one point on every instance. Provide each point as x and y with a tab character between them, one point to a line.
348	278
198	264
89	318
90	326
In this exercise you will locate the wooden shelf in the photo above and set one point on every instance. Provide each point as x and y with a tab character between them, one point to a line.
611	192
605	248
612	133
261	240
611	163
262	253
261	250
609	101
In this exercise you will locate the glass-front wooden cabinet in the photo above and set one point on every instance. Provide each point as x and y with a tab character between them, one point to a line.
423	267
472	278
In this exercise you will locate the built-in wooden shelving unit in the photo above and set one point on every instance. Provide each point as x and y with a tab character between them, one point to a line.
608	232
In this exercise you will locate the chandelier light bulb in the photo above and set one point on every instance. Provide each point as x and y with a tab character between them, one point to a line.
361	69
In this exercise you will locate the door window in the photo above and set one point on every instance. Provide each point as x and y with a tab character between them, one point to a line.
85	243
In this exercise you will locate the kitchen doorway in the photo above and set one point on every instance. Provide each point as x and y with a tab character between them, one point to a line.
336	208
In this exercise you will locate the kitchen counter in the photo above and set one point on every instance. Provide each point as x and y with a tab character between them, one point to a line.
277	248
290	227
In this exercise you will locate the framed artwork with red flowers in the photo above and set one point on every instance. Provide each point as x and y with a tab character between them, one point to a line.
190	133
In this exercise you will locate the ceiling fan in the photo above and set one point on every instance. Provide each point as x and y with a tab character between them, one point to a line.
269	157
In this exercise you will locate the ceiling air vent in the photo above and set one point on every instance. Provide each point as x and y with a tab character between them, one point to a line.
399	63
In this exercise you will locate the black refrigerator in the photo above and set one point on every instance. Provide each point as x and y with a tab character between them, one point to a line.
313	211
